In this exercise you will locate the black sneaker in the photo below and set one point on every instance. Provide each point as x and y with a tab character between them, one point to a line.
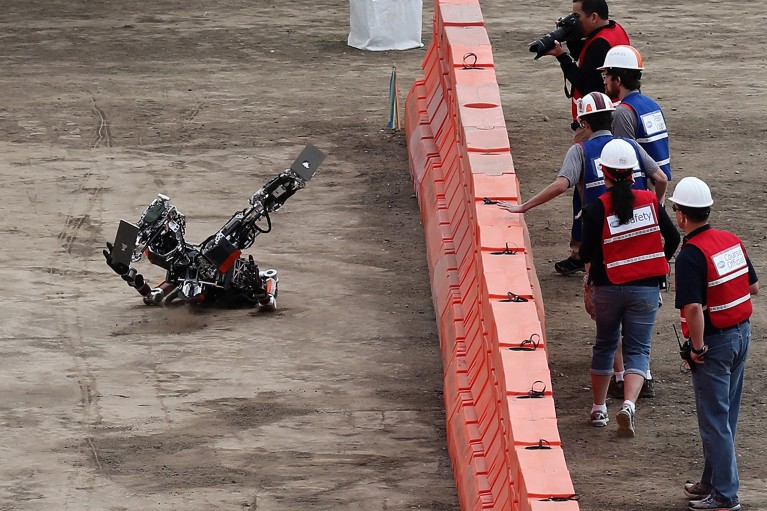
569	266
648	389
615	389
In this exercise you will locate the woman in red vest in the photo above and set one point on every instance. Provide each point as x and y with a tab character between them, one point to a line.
627	242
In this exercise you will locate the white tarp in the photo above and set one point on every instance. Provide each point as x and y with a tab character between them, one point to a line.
379	25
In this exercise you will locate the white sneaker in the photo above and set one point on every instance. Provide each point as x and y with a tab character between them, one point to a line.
599	419
627	422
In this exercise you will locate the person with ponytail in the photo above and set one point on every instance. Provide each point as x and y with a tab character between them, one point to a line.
628	239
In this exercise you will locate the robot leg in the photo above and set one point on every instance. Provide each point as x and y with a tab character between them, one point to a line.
270	281
162	294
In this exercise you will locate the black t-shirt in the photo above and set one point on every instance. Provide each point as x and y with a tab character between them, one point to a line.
586	78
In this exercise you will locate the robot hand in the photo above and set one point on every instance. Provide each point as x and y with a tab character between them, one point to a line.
128	274
119	268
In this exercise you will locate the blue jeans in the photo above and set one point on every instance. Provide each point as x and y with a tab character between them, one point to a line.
631	309
718	384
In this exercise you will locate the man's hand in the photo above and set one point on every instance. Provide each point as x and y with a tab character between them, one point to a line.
119	268
685	351
511	208
698	359
556	51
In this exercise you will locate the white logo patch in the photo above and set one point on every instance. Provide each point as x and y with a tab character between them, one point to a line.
597	168
643	217
729	260
653	122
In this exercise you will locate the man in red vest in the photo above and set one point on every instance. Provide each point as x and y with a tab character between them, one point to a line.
599	35
714	283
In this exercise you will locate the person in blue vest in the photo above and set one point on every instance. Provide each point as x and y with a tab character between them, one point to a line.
714	284
581	170
627	242
636	116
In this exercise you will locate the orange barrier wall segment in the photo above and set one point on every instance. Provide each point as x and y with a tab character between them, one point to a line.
502	430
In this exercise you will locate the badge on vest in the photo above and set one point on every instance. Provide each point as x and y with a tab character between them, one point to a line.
643	217
729	260
653	122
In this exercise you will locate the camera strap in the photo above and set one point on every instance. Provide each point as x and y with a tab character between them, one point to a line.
568	94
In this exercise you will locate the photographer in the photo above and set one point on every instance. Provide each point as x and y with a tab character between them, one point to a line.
599	35
714	284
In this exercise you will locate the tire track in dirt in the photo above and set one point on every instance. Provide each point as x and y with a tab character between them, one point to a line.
103	133
193	113
88	410
72	226
73	223
184	133
86	194
157	385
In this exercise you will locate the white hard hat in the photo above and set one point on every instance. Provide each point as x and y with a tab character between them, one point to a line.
594	102
623	57
619	155
693	193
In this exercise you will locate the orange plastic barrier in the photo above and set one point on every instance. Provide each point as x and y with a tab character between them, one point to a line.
501	424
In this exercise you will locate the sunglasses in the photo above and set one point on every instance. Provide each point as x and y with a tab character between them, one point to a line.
674	208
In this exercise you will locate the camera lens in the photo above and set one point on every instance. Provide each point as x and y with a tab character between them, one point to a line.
566	27
544	44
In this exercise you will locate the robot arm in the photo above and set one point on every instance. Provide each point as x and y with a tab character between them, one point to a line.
128	274
152	296
241	230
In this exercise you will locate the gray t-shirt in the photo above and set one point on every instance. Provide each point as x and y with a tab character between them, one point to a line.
625	121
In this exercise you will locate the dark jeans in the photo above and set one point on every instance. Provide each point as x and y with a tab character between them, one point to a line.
718	384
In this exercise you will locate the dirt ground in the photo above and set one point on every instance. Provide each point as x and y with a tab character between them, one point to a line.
335	401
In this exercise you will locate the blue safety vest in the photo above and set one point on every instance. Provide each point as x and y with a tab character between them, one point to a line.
593	179
651	132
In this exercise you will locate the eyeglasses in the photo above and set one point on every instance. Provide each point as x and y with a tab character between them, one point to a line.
674	208
605	75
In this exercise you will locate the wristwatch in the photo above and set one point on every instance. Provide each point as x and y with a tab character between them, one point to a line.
701	351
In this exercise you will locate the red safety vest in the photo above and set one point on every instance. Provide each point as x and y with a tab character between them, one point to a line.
634	250
614	35
728	298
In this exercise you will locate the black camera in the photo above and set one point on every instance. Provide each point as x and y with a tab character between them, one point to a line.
568	28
